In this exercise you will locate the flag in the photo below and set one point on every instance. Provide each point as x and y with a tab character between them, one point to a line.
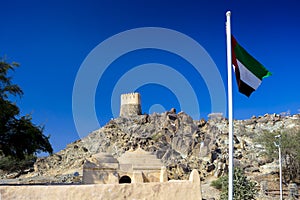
248	71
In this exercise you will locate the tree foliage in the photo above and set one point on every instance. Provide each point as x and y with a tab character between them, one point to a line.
19	137
243	187
12	164
290	151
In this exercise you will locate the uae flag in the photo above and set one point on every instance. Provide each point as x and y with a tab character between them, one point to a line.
248	71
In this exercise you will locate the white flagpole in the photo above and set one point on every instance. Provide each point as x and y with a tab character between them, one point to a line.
230	105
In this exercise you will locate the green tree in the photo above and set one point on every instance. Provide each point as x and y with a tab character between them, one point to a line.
290	151
243	187
19	137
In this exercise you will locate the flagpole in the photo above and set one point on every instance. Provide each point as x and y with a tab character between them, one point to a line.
230	105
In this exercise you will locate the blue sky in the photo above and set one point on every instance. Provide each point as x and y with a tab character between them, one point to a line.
51	39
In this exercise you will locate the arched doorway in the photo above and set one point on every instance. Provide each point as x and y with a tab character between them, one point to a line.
125	179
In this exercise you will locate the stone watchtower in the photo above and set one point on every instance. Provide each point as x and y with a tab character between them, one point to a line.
130	105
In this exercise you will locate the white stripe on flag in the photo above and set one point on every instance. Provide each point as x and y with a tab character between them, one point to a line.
248	77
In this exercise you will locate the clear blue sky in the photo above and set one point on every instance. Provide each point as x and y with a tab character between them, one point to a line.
51	39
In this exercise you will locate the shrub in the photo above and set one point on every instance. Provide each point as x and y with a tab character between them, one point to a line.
290	151
12	164
243	187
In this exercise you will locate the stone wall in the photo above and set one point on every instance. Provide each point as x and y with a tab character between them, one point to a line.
130	98
187	189
130	104
128	110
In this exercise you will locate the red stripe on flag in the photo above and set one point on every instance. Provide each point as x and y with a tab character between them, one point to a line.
234	62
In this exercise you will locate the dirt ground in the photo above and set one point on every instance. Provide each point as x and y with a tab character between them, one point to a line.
209	192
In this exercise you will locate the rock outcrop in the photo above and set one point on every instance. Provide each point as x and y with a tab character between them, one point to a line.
183	144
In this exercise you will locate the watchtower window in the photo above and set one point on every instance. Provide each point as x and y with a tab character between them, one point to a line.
125	179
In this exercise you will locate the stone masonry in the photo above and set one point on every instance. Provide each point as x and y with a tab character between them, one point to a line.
130	105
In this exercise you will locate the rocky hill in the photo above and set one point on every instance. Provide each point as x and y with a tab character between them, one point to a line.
182	143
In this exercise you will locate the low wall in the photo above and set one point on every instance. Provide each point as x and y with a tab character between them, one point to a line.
189	189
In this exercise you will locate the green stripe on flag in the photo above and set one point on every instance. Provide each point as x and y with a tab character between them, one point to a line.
250	63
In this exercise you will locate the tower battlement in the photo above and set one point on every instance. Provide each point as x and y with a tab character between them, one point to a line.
130	98
130	104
